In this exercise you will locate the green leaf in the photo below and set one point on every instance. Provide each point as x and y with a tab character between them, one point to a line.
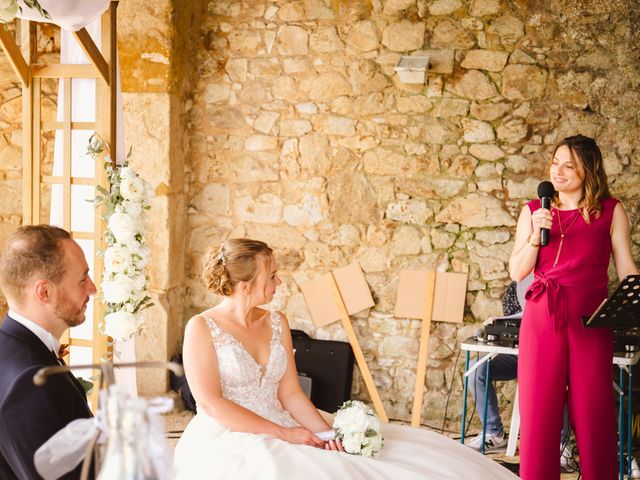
87	386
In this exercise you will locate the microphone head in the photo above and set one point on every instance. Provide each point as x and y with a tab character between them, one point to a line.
545	189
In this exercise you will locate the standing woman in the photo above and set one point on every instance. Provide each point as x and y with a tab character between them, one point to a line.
558	357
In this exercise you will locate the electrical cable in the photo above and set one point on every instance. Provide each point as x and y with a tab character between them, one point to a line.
446	406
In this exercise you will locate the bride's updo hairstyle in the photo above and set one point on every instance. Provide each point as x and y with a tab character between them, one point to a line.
236	260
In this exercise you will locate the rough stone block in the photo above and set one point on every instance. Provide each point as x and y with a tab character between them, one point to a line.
476	210
292	40
444	7
523	82
404	36
493	61
474	85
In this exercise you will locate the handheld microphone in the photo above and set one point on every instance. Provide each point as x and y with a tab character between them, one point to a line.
545	194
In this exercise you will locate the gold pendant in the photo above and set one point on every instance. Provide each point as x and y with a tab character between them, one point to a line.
559	250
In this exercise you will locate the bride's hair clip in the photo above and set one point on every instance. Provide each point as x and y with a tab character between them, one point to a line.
221	257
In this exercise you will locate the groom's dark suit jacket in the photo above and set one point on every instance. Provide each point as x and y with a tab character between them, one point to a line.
30	414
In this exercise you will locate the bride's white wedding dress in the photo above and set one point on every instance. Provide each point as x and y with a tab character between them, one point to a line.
208	450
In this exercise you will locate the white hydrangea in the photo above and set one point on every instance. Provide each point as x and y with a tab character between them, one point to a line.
8	10
117	290
125	227
358	428
121	325
118	258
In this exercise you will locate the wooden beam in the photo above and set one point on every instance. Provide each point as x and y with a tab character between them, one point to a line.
66	155
36	148
65	71
74	180
416	412
89	47
47	126
17	61
357	350
27	40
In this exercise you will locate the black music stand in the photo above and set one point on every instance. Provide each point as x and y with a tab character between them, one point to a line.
621	310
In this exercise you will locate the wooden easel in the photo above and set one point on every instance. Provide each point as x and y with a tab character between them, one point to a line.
357	351
416	411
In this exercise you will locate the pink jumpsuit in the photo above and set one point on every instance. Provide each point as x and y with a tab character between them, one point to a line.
561	359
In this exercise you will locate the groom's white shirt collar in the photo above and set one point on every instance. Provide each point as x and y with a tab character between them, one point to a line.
51	342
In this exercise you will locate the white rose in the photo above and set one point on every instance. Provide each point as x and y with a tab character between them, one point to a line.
132	188
353	443
121	325
138	282
351	419
125	227
117	290
127	172
117	259
132	207
8	10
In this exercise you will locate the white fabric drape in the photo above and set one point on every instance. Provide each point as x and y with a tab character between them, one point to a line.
67	14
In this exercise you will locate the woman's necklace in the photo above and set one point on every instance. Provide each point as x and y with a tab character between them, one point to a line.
563	232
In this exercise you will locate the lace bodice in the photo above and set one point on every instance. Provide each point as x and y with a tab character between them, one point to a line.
245	382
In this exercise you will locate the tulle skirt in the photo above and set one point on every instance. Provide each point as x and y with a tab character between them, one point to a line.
208	450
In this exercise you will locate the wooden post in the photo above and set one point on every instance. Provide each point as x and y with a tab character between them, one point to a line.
29	158
416	412
357	351
106	99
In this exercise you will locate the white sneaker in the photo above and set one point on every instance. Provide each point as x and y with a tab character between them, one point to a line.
492	442
635	471
567	462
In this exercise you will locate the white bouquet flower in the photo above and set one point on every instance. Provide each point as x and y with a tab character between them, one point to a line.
125	227
358	428
10	8
122	324
125	280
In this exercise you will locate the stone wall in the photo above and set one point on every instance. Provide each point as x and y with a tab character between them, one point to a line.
301	134
157	51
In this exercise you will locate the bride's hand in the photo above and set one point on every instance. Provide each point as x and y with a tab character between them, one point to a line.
299	435
335	445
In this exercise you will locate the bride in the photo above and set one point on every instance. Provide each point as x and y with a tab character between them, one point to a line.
254	420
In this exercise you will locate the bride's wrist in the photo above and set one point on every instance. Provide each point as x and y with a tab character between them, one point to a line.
279	432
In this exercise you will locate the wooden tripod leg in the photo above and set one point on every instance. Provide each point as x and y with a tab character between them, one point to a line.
357	351
416	412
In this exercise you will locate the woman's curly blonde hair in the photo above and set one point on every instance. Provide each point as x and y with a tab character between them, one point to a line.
236	260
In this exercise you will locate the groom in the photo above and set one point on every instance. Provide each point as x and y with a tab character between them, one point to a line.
45	279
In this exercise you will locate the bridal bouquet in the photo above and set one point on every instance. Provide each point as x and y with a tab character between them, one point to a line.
125	280
358	428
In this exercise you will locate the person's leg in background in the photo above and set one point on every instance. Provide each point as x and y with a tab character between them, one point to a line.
503	367
567	462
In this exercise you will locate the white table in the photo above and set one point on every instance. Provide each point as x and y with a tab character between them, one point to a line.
624	361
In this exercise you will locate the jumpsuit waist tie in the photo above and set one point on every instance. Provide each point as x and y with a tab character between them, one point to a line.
556	297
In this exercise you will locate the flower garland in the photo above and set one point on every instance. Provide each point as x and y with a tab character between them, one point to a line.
124	279
10	8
